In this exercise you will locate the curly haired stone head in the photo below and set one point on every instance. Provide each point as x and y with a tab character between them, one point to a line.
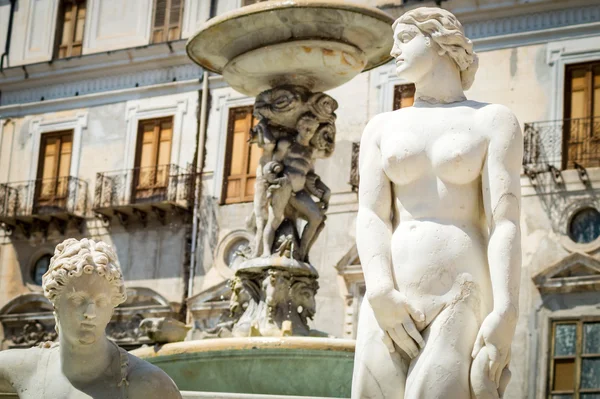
73	257
447	32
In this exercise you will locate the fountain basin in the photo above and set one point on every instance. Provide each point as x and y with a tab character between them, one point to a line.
318	44
294	366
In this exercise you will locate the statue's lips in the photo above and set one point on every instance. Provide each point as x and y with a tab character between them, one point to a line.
399	61
87	326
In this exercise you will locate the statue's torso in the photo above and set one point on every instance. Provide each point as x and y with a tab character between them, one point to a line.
434	158
48	381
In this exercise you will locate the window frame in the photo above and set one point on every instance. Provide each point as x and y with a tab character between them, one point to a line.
136	189
243	198
589	67
44	138
167	25
579	321
60	26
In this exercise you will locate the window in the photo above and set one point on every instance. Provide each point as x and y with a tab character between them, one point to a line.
70	28
582	115
575	359
404	96
153	154
167	20
53	169
241	158
234	249
40	268
584	226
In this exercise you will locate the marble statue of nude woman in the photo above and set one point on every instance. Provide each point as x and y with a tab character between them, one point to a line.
85	284
438	228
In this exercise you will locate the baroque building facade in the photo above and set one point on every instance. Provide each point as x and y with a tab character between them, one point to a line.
109	131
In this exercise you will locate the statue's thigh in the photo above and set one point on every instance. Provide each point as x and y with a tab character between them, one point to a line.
441	371
378	374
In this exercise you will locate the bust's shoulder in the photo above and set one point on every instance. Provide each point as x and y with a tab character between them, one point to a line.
148	381
21	362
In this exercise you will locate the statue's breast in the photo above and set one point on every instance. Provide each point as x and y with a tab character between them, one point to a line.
458	157
404	157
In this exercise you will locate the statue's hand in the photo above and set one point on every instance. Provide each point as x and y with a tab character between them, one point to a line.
395	316
495	334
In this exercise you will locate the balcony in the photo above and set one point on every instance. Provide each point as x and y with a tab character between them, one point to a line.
139	192
562	144
36	205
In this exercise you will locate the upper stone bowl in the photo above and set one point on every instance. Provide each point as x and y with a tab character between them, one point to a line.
318	44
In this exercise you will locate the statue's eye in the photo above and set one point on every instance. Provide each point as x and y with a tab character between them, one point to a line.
406	37
281	102
76	299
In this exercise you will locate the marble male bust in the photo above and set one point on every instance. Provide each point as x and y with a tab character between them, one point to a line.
85	284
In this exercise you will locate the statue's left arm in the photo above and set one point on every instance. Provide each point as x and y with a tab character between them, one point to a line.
501	190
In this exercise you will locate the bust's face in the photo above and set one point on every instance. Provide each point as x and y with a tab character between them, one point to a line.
84	308
414	57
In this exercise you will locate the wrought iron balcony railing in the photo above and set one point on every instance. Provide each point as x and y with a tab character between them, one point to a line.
41	200
143	187
562	144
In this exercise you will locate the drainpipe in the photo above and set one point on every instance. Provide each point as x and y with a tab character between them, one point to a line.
8	34
198	165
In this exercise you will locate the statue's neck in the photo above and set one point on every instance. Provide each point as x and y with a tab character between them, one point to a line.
442	85
85	362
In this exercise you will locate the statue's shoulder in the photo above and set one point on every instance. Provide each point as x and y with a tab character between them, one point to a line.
146	381
21	361
377	124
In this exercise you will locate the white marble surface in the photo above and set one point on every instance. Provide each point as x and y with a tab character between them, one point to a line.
438	228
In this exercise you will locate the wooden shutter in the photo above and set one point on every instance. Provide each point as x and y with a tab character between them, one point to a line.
153	153
70	27
241	159
54	165
404	96
582	115
167	20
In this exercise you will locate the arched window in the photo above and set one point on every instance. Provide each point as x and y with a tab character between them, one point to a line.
40	267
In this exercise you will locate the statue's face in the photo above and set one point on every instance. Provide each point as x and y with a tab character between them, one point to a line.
414	53
84	309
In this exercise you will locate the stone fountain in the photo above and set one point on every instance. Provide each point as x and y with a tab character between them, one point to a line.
285	53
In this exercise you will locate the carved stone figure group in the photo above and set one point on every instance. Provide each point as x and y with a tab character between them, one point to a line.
295	128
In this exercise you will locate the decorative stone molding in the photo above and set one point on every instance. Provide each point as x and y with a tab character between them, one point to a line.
575	273
77	123
549	19
137	111
112	82
350	269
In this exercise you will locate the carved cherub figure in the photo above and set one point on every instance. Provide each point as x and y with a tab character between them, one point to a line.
85	284
296	127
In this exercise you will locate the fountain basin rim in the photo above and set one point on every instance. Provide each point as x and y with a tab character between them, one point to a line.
275	5
248	343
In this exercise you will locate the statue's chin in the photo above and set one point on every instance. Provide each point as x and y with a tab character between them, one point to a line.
87	338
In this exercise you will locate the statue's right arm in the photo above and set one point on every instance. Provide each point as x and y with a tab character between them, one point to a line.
374	220
373	239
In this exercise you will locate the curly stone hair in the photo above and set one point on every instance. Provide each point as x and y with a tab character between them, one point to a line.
445	30
74	257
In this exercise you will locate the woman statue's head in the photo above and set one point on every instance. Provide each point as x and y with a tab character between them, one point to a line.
424	34
85	284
